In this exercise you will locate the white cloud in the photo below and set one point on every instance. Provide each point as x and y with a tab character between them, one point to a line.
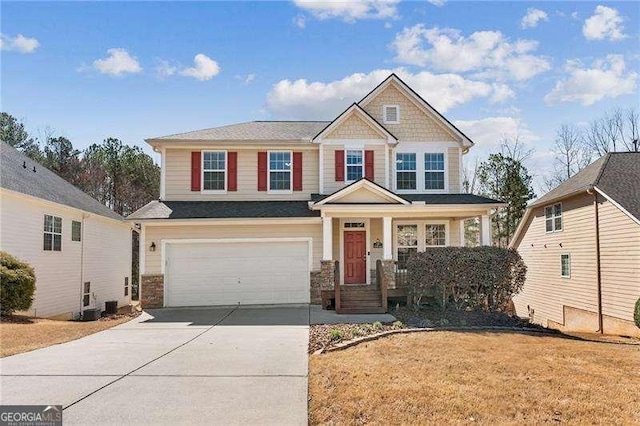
350	11
606	78
300	21
165	69
438	3
118	62
245	79
487	53
302	99
606	23
18	43
204	68
488	132
501	93
533	18
575	15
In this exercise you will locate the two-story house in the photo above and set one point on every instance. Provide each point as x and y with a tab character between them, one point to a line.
278	211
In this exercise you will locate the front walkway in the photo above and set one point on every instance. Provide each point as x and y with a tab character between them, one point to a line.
246	365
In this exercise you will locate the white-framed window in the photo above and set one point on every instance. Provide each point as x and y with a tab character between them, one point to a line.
391	114
406	243
565	265
351	225
354	161
280	171
214	171
76	230
434	170
126	286
52	233
553	217
406	171
435	235
86	294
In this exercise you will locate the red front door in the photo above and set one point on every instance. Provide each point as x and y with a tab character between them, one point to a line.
355	257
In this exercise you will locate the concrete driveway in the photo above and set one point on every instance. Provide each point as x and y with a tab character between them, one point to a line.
245	365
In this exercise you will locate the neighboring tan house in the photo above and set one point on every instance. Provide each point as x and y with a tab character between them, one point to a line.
581	244
270	212
80	249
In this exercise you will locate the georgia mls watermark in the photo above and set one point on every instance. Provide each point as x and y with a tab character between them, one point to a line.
30	415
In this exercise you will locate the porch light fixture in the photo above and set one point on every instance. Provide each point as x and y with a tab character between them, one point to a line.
152	247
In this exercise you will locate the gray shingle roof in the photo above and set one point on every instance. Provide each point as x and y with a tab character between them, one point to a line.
616	174
17	174
223	209
254	130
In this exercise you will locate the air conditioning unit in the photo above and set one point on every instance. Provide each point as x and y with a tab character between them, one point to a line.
91	314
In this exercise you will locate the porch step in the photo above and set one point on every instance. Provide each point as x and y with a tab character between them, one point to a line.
361	296
378	310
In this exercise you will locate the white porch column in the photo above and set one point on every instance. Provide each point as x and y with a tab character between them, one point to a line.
485	230
462	240
327	238
387	238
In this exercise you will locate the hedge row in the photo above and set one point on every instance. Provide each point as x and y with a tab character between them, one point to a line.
466	277
17	284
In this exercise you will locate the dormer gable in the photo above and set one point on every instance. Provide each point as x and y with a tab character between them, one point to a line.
355	123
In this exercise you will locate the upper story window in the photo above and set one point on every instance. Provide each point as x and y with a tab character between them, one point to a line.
52	233
565	265
433	171
280	171
391	114
76	230
355	164
214	170
406	173
553	217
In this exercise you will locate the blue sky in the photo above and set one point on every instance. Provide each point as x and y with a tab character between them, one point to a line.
134	70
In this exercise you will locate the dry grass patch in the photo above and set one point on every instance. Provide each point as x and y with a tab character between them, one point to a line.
21	334
484	377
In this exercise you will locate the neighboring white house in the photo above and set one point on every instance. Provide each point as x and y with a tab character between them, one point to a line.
79	248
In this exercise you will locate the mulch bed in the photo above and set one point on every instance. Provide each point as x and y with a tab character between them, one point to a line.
23	319
328	335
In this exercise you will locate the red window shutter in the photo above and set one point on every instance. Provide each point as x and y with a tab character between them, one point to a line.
340	165
368	165
232	171
262	171
196	168
297	171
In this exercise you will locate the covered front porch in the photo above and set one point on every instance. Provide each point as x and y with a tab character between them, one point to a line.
370	232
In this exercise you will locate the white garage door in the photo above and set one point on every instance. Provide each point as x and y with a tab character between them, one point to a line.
228	273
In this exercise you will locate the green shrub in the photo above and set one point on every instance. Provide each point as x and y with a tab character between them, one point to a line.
466	277
398	324
636	314
17	284
335	334
377	325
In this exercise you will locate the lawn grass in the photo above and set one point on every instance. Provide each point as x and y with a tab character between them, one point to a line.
476	377
19	335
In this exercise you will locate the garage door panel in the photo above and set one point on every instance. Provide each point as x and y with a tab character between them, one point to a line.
199	274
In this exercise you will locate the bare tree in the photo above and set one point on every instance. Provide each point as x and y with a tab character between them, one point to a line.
615	131
630	130
571	155
470	177
513	147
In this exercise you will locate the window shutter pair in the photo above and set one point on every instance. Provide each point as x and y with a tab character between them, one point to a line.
339	165
263	171
232	171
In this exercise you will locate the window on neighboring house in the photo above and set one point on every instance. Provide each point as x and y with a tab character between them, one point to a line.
407	242
433	171
76	230
435	235
280	171
214	170
86	294
565	265
355	165
52	233
406	171
126	286
553	217
391	114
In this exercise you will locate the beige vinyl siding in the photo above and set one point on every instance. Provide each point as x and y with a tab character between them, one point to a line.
355	127
159	233
619	261
453	169
415	124
544	290
178	177
329	152
107	258
454	233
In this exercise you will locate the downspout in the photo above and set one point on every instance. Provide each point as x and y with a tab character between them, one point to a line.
84	216
598	274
